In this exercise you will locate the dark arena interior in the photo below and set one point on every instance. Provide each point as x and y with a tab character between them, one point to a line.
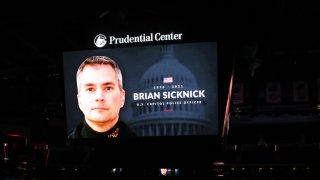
267	94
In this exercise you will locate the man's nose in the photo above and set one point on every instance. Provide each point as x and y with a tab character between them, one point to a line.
100	95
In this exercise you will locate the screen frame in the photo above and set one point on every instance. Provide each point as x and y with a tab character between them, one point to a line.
70	71
209	145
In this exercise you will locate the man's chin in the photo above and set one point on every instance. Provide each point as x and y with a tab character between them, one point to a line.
98	118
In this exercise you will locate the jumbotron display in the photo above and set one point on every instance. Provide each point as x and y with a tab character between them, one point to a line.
170	89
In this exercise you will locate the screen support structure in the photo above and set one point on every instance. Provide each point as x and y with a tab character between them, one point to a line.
225	127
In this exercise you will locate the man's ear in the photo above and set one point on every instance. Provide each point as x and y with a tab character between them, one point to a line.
123	97
79	100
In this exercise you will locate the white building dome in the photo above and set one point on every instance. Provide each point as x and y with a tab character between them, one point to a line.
169	117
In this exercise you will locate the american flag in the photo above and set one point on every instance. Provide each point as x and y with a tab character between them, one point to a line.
168	79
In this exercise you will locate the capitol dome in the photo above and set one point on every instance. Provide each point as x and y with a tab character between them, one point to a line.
167	66
169	116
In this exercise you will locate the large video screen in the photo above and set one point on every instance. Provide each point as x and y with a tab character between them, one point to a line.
170	89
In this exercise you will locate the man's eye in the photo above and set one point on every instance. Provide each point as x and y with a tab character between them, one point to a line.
89	89
109	88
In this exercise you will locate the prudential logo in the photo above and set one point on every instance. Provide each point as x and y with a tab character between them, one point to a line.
100	40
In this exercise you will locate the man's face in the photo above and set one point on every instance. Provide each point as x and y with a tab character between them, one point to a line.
99	96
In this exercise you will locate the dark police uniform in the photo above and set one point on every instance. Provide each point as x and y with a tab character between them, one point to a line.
83	130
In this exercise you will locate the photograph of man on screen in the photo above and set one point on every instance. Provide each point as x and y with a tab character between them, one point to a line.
100	98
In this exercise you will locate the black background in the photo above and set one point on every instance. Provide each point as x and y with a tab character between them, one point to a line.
33	40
